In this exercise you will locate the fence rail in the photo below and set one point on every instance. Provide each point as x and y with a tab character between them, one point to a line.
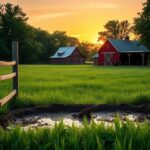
8	97
13	75
8	76
6	63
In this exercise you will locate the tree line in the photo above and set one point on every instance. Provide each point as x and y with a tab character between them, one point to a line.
36	45
140	29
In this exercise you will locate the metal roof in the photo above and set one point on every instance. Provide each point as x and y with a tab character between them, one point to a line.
63	52
123	46
95	56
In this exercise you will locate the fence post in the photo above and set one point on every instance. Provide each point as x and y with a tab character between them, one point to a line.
15	67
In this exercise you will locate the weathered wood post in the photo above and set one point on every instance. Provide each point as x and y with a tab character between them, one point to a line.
15	67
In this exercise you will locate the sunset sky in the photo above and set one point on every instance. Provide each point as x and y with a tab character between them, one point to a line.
80	18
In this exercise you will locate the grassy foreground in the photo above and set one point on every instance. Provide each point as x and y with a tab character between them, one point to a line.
126	136
47	84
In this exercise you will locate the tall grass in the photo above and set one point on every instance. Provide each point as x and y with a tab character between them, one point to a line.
74	84
121	136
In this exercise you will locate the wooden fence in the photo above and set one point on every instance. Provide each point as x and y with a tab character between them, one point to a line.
13	75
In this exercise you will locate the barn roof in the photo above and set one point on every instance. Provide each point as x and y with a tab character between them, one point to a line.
63	52
95	56
123	46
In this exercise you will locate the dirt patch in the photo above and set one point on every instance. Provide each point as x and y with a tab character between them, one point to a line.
49	119
48	115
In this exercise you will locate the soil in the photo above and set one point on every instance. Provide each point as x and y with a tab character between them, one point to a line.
40	116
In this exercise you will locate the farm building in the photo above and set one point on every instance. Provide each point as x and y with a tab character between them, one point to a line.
67	55
95	59
123	52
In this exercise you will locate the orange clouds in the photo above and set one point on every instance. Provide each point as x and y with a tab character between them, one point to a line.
81	18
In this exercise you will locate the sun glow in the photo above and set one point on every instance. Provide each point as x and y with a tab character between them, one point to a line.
101	42
81	18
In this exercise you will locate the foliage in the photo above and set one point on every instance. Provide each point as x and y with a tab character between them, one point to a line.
123	136
61	39
142	24
88	49
14	27
35	45
42	37
116	30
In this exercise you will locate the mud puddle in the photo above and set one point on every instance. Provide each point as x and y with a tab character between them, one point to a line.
47	116
49	119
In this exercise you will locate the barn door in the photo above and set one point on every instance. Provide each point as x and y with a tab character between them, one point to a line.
107	59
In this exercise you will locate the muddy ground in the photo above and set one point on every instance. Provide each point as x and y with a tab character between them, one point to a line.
40	116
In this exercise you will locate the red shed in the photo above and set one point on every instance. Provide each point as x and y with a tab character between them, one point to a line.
123	52
67	55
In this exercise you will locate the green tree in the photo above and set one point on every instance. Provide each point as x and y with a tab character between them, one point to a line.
116	30
35	45
88	49
142	24
58	39
31	51
72	41
13	22
125	29
61	39
112	29
13	26
43	37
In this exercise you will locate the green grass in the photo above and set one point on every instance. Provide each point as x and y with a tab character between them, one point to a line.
48	84
84	84
121	136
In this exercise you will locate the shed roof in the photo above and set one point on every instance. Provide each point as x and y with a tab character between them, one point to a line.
123	46
95	56
64	52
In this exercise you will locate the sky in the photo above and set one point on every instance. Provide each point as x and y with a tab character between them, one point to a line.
79	18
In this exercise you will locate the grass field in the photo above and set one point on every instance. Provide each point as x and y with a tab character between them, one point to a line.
48	84
74	84
124	136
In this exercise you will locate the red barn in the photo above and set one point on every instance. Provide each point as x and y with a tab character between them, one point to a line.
67	55
123	52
